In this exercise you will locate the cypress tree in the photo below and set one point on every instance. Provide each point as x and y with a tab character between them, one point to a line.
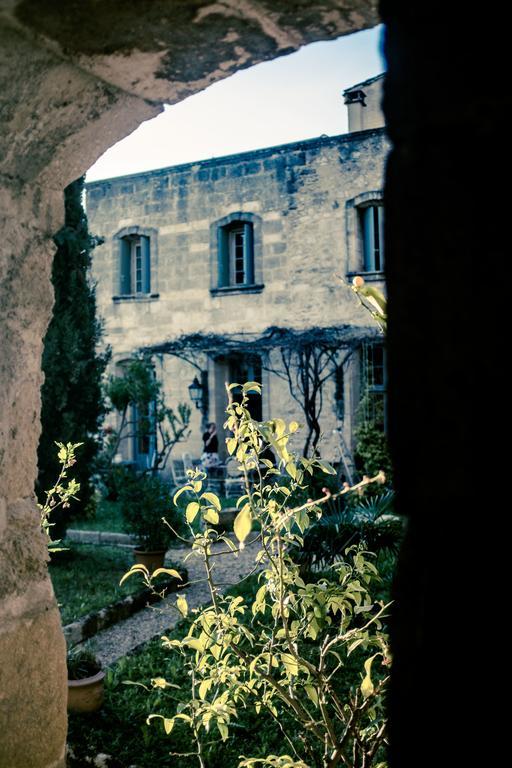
72	404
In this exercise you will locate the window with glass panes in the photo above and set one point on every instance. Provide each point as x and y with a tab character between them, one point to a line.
375	382
236	254
135	265
372	225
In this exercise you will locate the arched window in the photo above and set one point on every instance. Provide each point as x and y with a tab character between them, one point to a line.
236	254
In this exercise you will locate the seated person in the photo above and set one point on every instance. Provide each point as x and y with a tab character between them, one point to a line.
210	455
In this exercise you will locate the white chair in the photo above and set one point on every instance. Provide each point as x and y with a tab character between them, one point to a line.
234	484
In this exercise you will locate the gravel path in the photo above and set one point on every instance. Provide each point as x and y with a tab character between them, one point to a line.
111	644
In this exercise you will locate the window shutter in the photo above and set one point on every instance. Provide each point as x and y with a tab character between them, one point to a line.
368	240
248	254
125	257
223	256
146	264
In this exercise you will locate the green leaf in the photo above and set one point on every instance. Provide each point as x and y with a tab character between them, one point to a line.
211	516
181	490
325	467
213	499
182	605
137	568
292	470
367	686
312	693
223	730
290	662
168	571
231	443
252	386
204	688
243	523
191	511
168	724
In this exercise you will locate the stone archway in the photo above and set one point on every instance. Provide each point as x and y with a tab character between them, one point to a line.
75	78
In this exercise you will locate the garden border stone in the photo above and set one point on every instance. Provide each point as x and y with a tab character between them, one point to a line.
86	627
100	537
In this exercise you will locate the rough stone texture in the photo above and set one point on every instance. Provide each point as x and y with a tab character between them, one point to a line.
75	78
306	233
32	650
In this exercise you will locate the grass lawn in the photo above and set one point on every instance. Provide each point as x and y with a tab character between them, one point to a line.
108	517
86	578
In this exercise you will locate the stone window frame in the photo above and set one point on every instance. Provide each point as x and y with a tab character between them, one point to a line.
354	235
257	240
152	234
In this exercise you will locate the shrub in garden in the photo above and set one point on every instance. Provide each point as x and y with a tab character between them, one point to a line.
145	501
286	652
369	522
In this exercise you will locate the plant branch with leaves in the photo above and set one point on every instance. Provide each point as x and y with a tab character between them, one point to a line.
287	650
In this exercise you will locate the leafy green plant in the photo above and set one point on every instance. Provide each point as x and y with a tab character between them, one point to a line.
139	390
82	663
285	652
61	493
369	522
145	501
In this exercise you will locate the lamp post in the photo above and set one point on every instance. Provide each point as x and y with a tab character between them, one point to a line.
199	395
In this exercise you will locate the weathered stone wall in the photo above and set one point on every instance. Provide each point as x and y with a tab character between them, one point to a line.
306	238
74	79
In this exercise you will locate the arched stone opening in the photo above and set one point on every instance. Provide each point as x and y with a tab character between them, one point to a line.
78	77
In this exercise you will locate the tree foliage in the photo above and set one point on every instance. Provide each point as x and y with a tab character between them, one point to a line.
72	405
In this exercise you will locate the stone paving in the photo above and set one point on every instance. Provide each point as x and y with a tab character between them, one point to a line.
116	641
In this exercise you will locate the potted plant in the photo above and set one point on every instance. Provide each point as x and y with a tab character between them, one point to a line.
145	500
85	681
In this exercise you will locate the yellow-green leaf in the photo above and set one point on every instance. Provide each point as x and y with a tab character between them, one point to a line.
204	688
367	686
243	523
137	568
181	490
182	605
168	724
213	499
223	730
231	445
290	662
191	511
211	516
292	470
168	571
312	693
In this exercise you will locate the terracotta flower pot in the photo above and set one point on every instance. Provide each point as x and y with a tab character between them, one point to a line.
86	695
151	559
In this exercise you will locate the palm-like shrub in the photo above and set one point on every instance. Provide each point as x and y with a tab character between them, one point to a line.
371	523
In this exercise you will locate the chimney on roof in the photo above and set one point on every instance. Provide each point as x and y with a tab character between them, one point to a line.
363	102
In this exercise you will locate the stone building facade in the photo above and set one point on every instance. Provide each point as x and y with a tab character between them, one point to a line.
246	248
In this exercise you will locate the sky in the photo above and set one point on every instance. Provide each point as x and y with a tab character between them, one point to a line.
294	97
